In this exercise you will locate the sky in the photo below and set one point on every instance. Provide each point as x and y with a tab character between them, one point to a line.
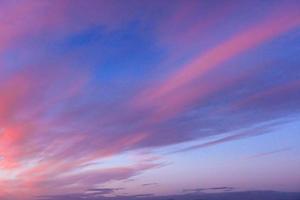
140	98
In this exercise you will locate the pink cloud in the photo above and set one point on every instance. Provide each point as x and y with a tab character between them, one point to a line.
172	94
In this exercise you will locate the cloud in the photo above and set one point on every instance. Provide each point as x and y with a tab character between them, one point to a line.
250	132
269	153
101	191
149	184
272	195
213	189
64	107
255	35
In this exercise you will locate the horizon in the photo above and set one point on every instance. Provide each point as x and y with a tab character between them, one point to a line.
139	99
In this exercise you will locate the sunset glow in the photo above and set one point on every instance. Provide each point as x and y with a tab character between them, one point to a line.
139	98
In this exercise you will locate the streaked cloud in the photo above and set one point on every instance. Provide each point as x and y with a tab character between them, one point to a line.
84	83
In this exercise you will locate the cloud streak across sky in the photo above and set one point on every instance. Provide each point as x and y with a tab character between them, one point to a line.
85	83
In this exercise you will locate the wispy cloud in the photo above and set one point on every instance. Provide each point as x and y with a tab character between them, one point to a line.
213	189
149	184
270	153
82	82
